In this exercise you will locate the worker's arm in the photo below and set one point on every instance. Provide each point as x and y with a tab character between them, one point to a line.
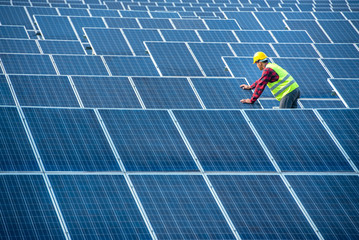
249	87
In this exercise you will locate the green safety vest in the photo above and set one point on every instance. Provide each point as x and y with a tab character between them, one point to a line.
284	85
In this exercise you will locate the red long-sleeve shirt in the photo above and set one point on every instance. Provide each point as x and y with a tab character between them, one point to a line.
268	75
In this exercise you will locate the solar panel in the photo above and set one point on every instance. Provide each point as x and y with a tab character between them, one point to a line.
70	140
305	145
136	37
271	20
352	15
13	32
254	36
173	59
223	141
82	22
328	15
331	201
338	50
189	24
61	47
158	23
136	14
73	12
106	92
299	15
217	36
18	46
5	94
11	15
312	28
292	36
269	103
180	35
295	50
261	207
342	68
27	64
347	88
80	65
110	215
245	20
326	103
340	31
104	13
26	209
41	11
131	66
121	22
165	14
63	30
166	93
249	49
222	93
114	5
222	24
160	147
54	91
181	207
106	41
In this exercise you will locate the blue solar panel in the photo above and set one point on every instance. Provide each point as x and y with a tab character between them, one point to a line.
222	93
165	14
340	31
342	68
223	141
254	36
299	15
181	207
180	35
295	50
107	41
137	14
106	92
80	65
61	47
352	15
332	203
104	207
41	11
173	59
261	207
292	36
104	13
114	5
326	103
217	36
18	46
158	23
81	22
249	49
48	91
166	93
27	211
245	20
131	66
136	37
16	153
337	50
189	24
121	22
13	32
271	20
222	24
5	94
328	15
347	88
70	140
269	103
312	29
11	15
160	147
27	64
305	145
73	12
63	30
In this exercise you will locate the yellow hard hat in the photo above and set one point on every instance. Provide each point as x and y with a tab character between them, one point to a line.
259	56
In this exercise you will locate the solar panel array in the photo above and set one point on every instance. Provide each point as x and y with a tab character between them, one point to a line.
123	120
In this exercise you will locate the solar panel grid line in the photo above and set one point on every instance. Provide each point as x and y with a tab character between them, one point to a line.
258	21
274	50
137	93
106	66
316	50
272	35
335	140
30	18
172	24
195	59
89	42
196	93
39	47
198	35
54	64
227	68
79	100
73	28
351	23
231	48
325	33
161	35
325	67
338	93
153	60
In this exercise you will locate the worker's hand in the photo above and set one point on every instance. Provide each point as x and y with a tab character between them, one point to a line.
245	87
246	101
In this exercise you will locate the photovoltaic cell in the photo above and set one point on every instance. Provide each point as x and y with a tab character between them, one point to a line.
342	68
225	24
54	91
5	93
73	12
107	41
217	36
104	13
180	35
160	147
189	24
18	46
158	23
292	36
136	37
166	93
27	211
269	103
337	50
103	206
340	31
332	103
347	88
136	14
82	22
41	11
131	66
80	65
181	207
271	20
121	22
305	144
165	14
249	49
254	36
61	47
295	50
70	140
266	209
12	15
299	15
222	93
331	201
106	92
328	15
312	28
245	20
13	32
62	31
27	64
173	59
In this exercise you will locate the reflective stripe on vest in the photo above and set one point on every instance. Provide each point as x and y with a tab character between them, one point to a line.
284	85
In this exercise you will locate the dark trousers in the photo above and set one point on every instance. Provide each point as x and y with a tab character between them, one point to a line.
290	100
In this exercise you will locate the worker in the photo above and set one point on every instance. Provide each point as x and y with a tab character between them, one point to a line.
282	85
